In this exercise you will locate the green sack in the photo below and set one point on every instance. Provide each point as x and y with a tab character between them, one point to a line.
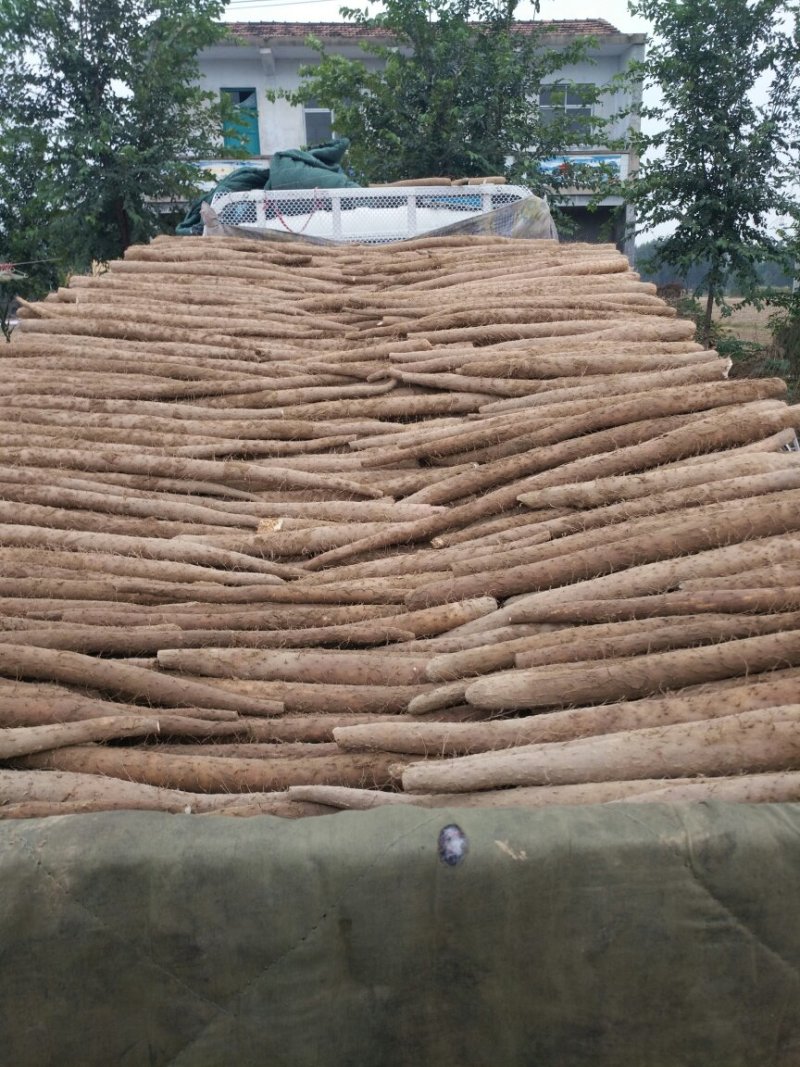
318	168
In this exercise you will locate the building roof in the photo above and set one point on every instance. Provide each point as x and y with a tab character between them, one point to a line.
253	32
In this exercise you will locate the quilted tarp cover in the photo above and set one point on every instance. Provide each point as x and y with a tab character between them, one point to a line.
615	936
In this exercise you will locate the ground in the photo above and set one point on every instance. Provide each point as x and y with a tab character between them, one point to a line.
745	336
747	323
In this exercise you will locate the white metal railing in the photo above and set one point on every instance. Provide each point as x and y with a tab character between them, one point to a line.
373	216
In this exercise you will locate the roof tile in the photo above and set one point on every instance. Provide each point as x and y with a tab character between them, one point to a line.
261	31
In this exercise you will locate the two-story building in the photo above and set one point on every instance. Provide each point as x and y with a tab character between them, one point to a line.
262	56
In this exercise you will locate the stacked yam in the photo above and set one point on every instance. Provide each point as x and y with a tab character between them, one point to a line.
291	528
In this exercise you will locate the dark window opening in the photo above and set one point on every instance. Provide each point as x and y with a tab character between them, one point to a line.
319	123
569	104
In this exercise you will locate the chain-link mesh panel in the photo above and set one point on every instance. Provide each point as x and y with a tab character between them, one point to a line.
368	216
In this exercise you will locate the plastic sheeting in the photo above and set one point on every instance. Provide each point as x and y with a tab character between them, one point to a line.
614	936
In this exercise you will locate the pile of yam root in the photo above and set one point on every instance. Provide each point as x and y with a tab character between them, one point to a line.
289	528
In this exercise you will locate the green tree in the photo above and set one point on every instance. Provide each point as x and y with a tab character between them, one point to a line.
720	165
100	114
785	318
451	87
25	239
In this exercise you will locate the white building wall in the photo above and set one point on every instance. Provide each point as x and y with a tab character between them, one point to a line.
238	71
602	72
280	125
276	66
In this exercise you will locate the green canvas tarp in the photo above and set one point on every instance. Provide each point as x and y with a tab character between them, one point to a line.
614	936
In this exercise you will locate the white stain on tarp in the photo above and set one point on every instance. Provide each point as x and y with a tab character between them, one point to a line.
512	852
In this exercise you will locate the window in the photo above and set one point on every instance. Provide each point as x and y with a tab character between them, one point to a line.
570	102
241	132
319	123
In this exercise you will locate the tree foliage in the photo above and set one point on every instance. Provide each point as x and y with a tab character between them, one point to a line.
451	88
25	237
720	166
100	112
